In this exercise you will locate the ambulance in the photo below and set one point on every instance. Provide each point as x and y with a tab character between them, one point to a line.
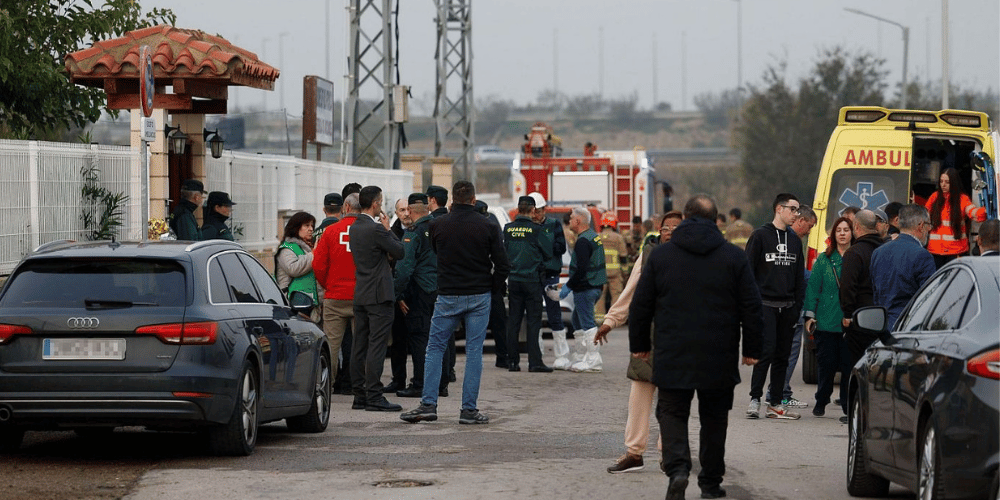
877	155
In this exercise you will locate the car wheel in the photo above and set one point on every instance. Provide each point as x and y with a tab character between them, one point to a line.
860	481
238	436
318	416
809	365
929	486
10	438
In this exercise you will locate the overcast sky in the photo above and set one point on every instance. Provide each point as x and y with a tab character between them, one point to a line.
515	43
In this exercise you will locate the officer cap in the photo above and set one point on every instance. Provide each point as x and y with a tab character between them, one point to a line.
333	200
526	200
416	198
481	207
219	198
193	185
437	192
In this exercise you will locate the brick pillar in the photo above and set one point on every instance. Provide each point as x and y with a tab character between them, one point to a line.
415	164
441	175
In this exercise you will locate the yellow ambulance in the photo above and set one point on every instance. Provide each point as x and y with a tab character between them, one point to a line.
877	155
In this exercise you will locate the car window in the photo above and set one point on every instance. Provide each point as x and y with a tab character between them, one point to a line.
218	289
971	307
96	282
948	313
265	283
923	303
240	284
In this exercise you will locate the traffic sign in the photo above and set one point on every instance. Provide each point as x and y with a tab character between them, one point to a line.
146	87
148	129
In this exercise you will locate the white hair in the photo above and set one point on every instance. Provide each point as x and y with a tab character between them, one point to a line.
583	213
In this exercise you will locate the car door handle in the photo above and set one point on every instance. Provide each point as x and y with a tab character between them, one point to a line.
257	330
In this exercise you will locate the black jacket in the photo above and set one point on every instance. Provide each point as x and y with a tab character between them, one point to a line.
470	254
215	227
701	292
855	275
778	264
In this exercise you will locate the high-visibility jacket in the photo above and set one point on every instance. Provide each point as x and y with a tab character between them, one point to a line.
614	249
945	240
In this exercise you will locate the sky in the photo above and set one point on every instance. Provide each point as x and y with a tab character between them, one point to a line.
522	47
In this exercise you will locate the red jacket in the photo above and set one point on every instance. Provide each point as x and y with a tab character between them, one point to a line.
945	240
332	260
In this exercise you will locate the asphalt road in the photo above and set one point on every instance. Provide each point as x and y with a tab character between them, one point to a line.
551	436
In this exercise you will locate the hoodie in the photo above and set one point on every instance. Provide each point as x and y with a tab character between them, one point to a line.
778	265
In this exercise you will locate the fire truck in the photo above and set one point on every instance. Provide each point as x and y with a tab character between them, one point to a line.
619	181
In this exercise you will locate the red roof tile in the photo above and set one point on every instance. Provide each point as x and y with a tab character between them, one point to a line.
177	53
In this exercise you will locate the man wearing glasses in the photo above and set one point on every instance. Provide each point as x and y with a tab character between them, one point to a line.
776	257
900	266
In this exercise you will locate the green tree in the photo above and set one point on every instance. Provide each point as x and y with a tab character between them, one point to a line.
719	109
37	99
783	131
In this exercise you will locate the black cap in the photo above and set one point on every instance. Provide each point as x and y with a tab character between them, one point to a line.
333	200
528	200
217	198
417	198
481	207
193	185
437	192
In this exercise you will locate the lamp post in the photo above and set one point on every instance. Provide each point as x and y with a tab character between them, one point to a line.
906	45
739	55
281	65
263	56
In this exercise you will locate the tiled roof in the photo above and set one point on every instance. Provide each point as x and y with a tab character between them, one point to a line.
177	53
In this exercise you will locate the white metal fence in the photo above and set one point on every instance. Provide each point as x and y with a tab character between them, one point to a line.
41	199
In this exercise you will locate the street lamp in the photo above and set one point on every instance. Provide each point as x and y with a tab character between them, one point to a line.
739	56
906	44
177	141
281	66
215	143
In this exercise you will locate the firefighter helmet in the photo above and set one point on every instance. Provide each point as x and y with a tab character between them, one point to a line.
609	220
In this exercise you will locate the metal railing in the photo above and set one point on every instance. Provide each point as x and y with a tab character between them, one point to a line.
41	199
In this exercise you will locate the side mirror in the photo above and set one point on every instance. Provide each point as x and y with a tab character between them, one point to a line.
871	320
301	302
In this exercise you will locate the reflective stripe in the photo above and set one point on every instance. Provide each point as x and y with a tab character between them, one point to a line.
612	266
945	237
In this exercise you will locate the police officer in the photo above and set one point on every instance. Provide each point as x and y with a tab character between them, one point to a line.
182	220
416	290
333	205
220	209
527	254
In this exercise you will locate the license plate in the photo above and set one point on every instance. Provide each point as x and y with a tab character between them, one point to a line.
62	349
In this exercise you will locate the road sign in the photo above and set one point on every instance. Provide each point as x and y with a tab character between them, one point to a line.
146	88
148	129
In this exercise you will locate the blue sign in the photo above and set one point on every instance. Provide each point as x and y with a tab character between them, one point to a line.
865	197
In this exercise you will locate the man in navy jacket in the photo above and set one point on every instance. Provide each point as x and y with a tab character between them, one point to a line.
900	266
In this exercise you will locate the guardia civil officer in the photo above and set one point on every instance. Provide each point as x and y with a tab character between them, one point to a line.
527	255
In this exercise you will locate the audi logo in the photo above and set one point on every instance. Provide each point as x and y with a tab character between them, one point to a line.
83	323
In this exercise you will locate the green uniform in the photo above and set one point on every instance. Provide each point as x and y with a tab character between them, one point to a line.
305	283
595	275
553	237
183	223
526	250
215	227
419	263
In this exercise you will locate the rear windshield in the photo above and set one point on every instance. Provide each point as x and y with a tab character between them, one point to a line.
96	284
865	189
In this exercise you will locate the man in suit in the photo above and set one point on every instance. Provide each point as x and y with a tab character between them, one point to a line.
703	296
988	239
900	266
471	263
372	244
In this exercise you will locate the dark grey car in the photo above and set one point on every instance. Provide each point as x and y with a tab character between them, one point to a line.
166	335
925	401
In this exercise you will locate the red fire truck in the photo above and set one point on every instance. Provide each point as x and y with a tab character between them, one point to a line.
619	181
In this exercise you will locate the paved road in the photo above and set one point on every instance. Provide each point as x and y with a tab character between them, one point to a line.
551	437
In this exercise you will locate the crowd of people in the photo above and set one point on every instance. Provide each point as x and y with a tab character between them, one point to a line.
699	297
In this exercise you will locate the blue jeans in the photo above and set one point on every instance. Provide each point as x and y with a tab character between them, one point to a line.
449	310
552	308
583	308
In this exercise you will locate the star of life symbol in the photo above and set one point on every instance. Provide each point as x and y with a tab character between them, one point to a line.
864	198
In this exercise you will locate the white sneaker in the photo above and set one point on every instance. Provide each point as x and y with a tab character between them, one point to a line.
753	411
781	412
794	403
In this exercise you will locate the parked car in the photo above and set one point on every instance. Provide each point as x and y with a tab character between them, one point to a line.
924	400
492	153
167	335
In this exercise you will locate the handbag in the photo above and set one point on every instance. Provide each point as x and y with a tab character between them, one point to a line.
640	369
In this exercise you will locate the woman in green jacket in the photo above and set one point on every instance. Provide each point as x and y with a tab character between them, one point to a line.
823	316
293	260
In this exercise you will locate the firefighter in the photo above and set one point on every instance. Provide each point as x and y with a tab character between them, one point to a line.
614	252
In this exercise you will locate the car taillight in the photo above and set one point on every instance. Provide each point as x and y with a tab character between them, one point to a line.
182	333
986	365
8	331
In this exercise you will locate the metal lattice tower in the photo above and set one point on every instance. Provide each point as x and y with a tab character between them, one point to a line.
370	135
454	113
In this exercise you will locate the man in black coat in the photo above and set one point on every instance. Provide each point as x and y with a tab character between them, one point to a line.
701	293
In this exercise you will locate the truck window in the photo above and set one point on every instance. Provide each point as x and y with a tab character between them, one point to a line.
866	189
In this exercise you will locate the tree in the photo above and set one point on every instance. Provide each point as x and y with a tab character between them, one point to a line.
719	109
37	99
783	131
